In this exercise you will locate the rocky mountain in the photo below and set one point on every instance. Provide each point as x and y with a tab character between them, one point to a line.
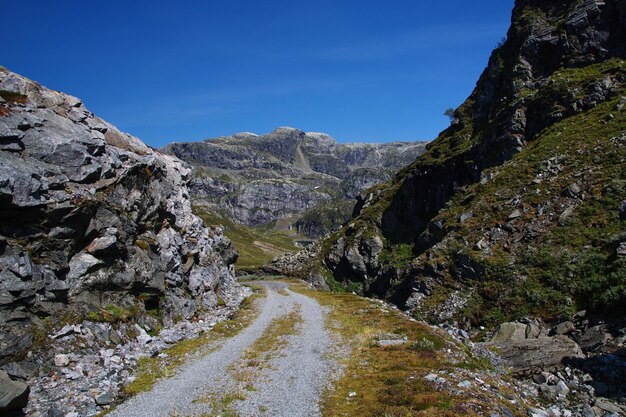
512	225
518	208
93	224
307	178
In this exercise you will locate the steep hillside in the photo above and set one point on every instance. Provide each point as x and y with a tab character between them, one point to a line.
307	180
256	246
93	223
518	208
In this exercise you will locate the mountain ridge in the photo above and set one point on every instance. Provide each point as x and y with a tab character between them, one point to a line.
288	174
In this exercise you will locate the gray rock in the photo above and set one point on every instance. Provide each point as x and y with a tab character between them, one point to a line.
20	370
537	412
572	190
81	264
105	399
554	411
102	218
562	388
533	330
465	384
67	330
608	406
466	216
564	328
431	377
13	394
61	360
316	278
482	244
594	338
510	332
102	245
143	337
565	216
531	356
515	214
114	336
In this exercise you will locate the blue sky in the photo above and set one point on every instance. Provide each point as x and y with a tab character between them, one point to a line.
187	70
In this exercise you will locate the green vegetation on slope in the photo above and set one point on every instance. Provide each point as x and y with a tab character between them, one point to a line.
325	217
256	246
559	255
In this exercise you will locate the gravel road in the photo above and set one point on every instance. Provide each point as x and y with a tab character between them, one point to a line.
289	385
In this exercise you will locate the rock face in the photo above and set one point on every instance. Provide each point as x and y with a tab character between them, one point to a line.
91	219
13	394
493	221
261	179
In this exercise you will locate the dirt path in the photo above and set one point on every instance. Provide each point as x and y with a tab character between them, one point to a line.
278	366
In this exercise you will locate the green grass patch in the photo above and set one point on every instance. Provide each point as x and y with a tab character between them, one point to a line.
256	246
388	381
112	314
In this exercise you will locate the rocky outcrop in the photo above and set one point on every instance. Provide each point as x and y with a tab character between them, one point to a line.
93	220
265	201
534	355
13	394
288	173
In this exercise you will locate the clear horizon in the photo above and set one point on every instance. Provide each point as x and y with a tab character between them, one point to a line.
358	71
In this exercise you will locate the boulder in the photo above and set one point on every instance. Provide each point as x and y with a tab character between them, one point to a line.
594	338
61	360
530	356
316	278
13	394
81	264
105	399
466	216
515	214
102	245
510	332
564	328
20	370
610	407
101	218
572	190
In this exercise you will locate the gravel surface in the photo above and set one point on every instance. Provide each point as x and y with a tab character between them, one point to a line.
296	377
290	386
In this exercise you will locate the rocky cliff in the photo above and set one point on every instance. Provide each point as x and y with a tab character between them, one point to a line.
517	209
289	174
93	223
